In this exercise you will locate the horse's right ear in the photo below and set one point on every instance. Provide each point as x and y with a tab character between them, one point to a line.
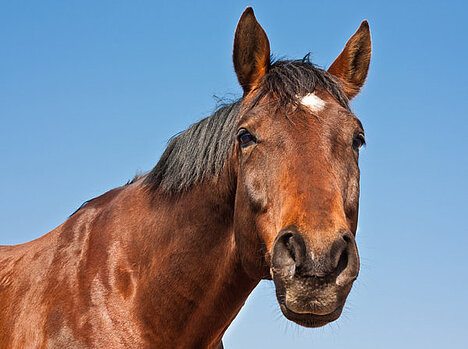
251	53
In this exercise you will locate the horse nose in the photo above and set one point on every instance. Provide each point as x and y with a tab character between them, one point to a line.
347	269
288	253
291	257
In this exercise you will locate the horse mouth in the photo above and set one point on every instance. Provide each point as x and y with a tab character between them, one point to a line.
309	304
310	319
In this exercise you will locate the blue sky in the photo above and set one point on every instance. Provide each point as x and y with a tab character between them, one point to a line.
90	92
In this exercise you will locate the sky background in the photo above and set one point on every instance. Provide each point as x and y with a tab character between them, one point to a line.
91	91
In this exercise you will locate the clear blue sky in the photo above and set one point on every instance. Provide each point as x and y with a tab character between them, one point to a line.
91	91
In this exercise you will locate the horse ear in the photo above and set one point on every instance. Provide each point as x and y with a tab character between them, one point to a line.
352	64
251	54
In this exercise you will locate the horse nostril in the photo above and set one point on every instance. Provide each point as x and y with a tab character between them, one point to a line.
348	265
290	247
342	262
288	253
337	253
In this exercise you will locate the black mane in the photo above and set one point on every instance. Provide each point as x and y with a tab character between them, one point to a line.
201	151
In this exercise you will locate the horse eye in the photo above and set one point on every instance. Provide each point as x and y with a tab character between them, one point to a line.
358	141
245	138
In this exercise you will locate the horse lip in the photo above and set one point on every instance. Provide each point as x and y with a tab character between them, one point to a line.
311	319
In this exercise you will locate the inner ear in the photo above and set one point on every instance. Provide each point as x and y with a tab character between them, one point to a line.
352	64
251	54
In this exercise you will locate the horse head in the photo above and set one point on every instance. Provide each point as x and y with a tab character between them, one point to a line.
297	169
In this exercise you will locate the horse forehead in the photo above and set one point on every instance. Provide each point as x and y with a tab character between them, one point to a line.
320	102
313	102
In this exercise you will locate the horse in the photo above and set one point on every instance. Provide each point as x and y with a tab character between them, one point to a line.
265	188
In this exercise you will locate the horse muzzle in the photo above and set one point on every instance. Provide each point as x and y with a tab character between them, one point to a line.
312	287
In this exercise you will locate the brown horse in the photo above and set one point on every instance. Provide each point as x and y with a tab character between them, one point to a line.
265	188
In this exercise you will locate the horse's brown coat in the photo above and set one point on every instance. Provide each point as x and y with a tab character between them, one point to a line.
139	267
100	279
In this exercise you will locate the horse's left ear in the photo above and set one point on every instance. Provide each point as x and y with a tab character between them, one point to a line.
352	64
251	54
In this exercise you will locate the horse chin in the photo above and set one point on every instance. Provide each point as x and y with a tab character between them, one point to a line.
308	303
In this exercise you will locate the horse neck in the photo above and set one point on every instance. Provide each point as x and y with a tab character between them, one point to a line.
190	265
